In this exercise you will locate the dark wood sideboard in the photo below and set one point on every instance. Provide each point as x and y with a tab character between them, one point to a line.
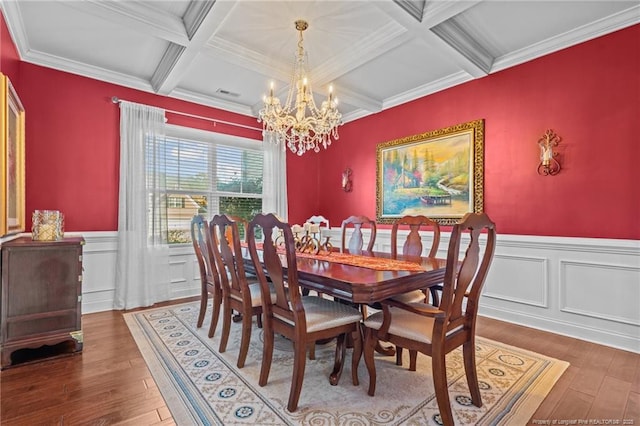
40	302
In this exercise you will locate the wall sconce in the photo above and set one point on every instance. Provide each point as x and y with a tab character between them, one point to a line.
548	166
346	180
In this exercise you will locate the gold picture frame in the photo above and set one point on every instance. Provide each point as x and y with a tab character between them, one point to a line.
12	198
438	174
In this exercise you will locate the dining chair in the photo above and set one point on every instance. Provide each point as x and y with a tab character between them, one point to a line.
356	240
436	331
323	224
243	225
237	292
320	220
209	278
412	246
301	319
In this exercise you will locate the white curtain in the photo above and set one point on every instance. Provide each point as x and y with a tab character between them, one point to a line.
274	179
142	266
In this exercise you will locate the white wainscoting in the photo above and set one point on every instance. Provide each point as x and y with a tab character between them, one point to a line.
99	263
586	288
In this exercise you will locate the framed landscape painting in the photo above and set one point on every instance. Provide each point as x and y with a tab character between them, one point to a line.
438	174
12	201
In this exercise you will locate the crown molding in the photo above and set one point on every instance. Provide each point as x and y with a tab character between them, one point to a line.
198	98
96	73
596	29
14	21
138	17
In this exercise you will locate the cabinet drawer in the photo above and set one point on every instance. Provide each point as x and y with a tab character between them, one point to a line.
40	325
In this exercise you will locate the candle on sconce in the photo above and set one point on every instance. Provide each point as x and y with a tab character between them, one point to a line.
549	165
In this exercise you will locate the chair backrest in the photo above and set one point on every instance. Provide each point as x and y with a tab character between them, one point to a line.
227	253
203	250
413	244
242	228
320	220
288	303
356	241
464	278
323	224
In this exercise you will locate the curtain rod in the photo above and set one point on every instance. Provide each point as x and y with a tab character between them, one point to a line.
117	100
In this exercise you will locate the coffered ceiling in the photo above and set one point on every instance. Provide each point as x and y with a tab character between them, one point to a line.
377	54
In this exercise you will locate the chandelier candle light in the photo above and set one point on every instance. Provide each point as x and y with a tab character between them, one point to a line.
290	123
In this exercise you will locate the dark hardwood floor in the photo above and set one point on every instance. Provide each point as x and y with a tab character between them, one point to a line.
109	382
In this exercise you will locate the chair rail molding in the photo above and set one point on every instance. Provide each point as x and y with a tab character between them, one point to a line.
548	283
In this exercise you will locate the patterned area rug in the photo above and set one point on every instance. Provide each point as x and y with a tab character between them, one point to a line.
204	387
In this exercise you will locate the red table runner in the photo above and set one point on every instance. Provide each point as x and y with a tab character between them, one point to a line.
370	262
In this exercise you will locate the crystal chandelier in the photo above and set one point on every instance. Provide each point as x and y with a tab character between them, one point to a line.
299	123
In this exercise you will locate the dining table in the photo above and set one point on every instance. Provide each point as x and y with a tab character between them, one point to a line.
364	277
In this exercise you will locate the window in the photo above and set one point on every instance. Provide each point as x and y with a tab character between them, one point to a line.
208	173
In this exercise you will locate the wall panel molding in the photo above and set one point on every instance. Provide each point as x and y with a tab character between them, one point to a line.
616	284
529	284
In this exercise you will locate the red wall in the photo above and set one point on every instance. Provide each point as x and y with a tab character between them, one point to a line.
589	94
72	148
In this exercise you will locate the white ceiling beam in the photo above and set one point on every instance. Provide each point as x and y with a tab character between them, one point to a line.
455	36
210	20
436	13
415	8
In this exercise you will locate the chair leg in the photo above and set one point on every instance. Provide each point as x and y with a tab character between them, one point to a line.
413	360
244	340
267	354
469	354
226	326
357	354
370	342
204	298
259	320
435	297
439	371
299	360
312	350
398	355
341	349
217	303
